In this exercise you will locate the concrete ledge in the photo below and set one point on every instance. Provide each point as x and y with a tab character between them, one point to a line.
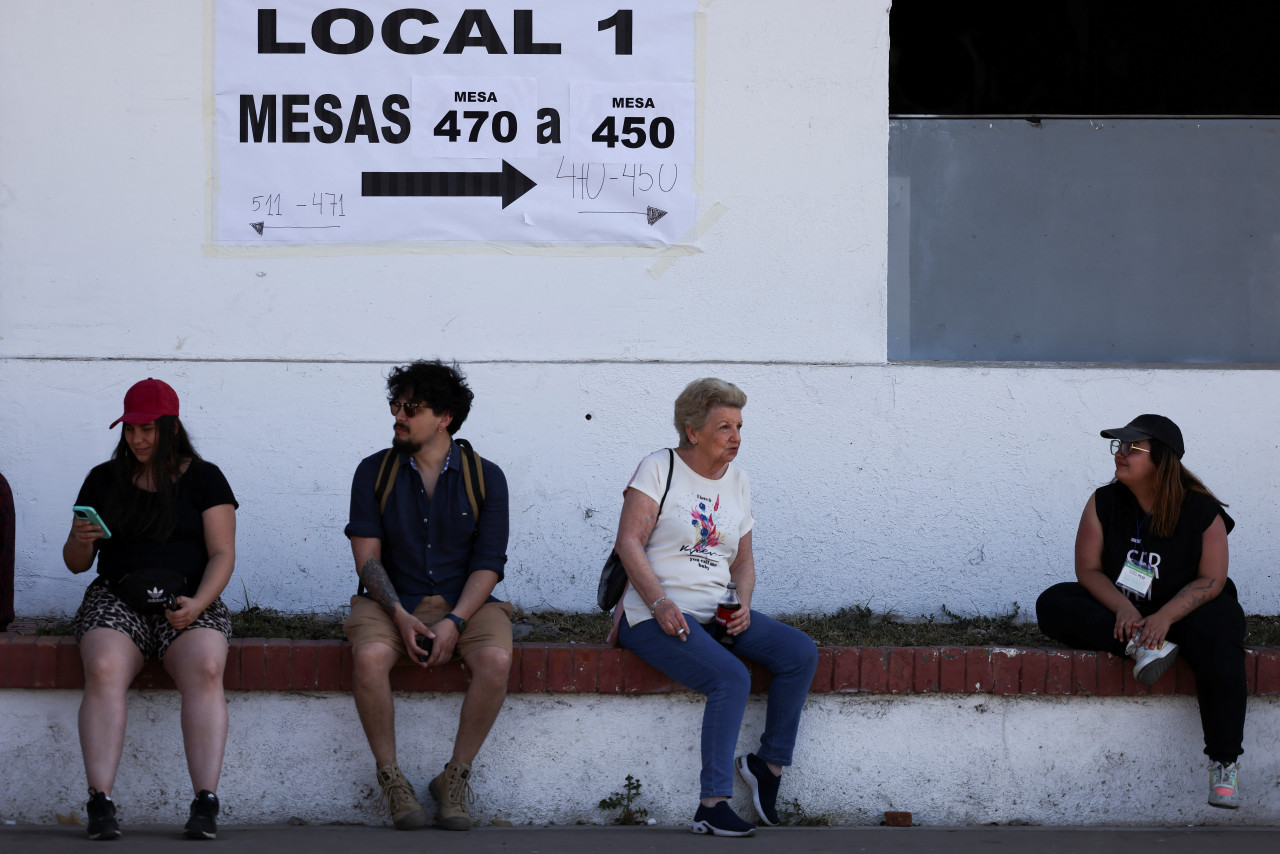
274	664
954	735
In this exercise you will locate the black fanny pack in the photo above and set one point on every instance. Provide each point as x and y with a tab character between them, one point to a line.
150	591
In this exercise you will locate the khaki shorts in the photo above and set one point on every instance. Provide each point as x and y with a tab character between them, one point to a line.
490	626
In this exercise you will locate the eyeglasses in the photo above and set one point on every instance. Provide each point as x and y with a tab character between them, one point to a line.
410	409
1124	449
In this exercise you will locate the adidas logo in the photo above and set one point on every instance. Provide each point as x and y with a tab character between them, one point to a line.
155	594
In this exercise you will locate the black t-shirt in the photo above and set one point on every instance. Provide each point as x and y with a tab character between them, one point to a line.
1175	559
202	486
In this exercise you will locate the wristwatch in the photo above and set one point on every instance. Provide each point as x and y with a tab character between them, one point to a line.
457	621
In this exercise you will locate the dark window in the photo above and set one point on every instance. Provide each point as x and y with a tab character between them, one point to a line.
1086	181
1084	57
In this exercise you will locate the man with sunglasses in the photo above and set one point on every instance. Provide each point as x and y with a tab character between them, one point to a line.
428	563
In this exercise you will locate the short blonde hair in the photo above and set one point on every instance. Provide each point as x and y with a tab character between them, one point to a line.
698	399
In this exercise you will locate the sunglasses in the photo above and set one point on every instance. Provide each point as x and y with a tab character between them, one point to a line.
410	409
1124	449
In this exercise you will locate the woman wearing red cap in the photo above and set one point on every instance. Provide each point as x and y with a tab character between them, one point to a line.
167	552
1151	570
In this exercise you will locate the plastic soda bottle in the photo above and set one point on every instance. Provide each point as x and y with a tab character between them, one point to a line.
724	612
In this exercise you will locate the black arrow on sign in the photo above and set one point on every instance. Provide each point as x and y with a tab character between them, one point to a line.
510	183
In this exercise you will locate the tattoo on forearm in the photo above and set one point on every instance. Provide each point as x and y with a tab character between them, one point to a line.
1199	591
378	584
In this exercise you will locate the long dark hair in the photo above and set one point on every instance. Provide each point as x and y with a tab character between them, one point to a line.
1173	482
139	515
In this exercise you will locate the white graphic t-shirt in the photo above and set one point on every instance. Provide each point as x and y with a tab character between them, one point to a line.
696	538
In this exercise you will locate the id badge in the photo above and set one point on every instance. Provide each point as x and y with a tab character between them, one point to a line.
1135	578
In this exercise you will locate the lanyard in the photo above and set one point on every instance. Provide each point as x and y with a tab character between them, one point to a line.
1136	539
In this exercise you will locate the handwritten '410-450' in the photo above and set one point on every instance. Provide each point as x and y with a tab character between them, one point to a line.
588	180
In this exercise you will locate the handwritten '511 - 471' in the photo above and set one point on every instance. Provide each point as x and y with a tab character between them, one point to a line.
323	204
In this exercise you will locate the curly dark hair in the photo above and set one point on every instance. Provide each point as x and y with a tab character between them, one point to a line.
442	387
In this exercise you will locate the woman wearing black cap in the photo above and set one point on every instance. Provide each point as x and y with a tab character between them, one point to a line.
165	551
1151	569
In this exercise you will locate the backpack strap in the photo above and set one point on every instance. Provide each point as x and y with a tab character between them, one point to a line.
472	477
472	480
386	480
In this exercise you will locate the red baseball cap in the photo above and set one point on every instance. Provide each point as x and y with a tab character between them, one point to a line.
148	400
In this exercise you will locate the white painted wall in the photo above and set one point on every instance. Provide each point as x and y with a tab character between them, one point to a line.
949	760
903	486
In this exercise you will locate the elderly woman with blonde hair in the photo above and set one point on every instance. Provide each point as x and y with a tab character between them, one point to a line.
685	539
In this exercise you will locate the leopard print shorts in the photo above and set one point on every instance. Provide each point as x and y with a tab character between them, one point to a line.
151	633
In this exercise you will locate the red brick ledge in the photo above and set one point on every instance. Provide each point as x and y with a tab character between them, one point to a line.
274	664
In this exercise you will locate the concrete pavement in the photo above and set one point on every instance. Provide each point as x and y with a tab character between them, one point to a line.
346	839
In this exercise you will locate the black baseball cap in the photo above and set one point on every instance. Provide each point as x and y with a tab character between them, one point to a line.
1149	427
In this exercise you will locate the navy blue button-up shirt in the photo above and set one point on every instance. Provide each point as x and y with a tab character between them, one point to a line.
428	547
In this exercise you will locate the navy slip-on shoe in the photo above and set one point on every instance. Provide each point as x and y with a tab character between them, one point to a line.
721	820
764	787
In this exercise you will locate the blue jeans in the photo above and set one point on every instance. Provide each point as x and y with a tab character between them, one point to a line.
702	664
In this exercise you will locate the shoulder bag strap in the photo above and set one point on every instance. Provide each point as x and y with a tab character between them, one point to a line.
671	467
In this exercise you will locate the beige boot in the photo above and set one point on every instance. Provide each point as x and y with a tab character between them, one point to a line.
452	792
402	800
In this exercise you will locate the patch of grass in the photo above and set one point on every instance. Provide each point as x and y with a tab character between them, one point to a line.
54	627
541	627
858	625
258	622
1261	630
562	626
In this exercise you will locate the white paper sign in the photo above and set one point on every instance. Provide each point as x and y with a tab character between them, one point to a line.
638	119
537	121
475	116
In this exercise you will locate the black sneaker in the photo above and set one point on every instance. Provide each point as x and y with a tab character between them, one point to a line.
204	813
764	787
721	820
102	817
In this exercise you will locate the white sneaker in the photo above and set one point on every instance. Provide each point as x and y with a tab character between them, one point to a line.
1223	789
1151	663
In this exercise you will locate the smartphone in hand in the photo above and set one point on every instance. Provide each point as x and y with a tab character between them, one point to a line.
424	643
88	514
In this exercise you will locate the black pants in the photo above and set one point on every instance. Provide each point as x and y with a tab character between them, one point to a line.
1210	640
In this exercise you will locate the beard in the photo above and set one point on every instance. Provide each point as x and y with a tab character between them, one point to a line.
405	445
